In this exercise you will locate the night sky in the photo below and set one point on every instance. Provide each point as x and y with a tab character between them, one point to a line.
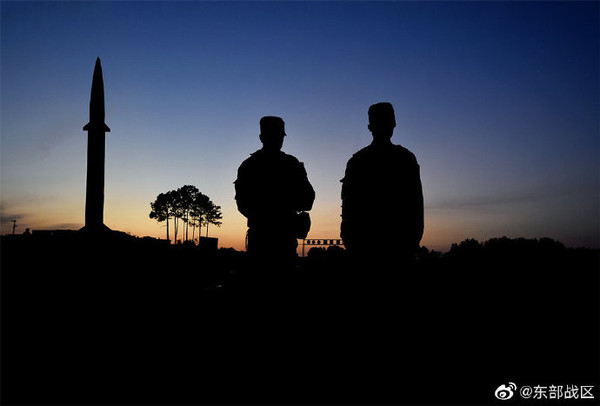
499	101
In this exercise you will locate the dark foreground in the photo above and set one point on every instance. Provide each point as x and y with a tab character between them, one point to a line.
138	322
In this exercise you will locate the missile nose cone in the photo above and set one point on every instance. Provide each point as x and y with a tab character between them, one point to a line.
97	71
97	100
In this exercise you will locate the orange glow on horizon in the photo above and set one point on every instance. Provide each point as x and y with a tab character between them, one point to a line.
133	219
131	216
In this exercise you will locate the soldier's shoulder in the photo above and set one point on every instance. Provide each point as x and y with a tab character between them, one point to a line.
289	159
252	160
362	153
405	153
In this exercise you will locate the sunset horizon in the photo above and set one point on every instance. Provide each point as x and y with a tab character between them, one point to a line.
401	200
498	102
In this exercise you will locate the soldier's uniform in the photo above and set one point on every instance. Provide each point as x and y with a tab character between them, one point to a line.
271	187
382	202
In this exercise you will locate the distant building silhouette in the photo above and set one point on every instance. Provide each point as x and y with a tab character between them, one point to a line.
271	188
382	197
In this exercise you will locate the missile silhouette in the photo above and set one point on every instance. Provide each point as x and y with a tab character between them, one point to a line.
96	129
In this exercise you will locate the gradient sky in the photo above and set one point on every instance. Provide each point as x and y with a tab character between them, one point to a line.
499	101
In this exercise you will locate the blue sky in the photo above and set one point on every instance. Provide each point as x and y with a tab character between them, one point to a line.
499	101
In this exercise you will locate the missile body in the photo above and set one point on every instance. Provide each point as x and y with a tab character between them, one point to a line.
96	129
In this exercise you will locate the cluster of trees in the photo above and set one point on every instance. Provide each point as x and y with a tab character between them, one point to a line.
504	246
512	254
496	250
188	205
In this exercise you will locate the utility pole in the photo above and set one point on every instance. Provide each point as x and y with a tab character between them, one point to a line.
14	225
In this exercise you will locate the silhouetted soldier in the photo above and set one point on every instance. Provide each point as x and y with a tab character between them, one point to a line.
382	197
271	187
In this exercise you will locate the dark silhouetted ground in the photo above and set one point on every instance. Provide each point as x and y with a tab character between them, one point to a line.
128	320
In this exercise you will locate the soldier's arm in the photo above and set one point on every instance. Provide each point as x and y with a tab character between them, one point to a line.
306	195
243	192
419	210
350	189
349	197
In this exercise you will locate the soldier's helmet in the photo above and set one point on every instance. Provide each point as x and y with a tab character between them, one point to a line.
272	125
382	114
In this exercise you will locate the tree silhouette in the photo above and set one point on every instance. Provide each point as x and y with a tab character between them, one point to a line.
159	210
187	196
212	216
162	209
190	206
198	212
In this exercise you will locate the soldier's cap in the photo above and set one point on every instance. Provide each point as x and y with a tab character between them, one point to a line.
271	125
382	113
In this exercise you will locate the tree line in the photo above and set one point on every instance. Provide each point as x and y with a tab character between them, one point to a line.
186	207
